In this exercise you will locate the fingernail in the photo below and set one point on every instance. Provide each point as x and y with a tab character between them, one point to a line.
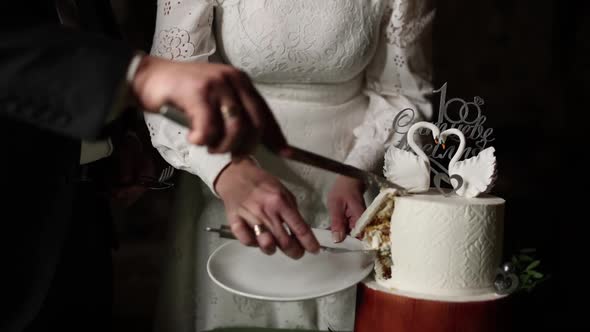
337	236
298	255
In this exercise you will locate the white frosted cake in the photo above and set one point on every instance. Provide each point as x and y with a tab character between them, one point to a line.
434	245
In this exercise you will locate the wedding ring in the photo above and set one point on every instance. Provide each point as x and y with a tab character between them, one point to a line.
229	112
258	229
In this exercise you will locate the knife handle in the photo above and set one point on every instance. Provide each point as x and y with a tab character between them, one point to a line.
175	115
223	231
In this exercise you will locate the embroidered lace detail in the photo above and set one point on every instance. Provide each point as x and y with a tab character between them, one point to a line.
173	44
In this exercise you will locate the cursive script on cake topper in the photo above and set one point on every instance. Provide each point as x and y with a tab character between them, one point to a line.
464	115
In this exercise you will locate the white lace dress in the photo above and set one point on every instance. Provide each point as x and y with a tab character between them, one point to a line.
335	73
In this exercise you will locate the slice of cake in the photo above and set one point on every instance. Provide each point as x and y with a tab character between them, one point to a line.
433	245
373	228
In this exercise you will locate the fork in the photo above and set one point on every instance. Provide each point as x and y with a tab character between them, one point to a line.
160	183
166	174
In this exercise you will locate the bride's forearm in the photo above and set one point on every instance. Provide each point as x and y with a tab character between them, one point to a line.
232	177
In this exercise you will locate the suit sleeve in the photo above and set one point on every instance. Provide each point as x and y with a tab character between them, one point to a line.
62	80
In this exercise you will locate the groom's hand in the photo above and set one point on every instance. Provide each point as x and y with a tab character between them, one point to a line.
345	204
253	198
226	112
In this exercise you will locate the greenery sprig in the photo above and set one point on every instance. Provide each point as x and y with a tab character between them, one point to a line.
526	267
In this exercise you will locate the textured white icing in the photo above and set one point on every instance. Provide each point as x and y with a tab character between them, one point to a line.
445	246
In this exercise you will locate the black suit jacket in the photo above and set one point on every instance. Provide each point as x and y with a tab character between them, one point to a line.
56	86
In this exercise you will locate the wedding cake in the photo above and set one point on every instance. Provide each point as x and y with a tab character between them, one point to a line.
434	245
438	251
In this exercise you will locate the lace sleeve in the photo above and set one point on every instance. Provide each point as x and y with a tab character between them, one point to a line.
184	33
398	80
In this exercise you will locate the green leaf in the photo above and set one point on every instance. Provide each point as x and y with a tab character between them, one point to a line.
536	274
525	258
533	265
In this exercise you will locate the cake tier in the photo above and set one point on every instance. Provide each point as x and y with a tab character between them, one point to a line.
445	246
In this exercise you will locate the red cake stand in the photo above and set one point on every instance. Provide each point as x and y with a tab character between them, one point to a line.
382	310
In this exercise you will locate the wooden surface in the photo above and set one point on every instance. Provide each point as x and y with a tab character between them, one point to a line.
380	312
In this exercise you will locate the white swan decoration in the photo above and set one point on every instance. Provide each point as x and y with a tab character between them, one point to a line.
411	171
478	173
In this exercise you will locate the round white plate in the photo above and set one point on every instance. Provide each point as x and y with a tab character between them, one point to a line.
248	272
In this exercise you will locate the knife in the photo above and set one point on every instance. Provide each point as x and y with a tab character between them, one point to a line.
293	153
322	162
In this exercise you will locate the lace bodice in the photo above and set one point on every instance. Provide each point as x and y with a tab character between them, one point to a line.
278	41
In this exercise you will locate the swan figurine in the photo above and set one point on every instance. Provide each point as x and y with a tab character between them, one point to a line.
407	169
478	173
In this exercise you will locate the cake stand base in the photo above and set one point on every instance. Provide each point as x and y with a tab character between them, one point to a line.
382	311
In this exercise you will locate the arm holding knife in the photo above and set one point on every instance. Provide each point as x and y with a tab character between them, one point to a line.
78	89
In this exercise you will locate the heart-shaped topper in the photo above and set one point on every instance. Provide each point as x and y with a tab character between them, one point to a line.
506	281
442	176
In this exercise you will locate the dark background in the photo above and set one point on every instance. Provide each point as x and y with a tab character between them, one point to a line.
529	61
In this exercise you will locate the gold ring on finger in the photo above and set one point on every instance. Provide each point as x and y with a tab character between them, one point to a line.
258	229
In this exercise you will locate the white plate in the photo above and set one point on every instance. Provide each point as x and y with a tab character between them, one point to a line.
248	272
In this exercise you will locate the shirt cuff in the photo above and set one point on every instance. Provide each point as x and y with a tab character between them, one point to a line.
207	166
210	166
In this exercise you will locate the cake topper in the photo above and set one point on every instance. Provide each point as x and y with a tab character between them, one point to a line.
506	281
410	170
478	173
470	177
442	176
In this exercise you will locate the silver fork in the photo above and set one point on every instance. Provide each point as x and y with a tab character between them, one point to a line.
161	182
225	233
166	174
343	250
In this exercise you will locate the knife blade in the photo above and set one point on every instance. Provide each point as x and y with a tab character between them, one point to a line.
296	154
331	165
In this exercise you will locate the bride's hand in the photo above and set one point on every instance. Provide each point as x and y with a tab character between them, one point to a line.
254	197
345	204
